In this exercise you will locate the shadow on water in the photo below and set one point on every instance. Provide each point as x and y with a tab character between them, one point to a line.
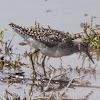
46	82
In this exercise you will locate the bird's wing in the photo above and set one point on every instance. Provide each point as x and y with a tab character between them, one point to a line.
49	37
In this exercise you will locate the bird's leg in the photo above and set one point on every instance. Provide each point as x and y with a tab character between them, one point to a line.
32	62
35	57
30	56
43	64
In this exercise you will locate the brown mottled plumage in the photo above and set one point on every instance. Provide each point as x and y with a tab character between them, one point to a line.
48	36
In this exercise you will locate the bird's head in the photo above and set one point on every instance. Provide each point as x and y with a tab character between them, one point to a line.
83	47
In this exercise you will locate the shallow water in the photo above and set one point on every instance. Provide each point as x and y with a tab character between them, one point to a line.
65	15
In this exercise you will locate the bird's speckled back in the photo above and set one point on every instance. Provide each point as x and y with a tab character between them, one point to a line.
48	36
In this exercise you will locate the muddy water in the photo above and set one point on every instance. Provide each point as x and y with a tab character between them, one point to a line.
63	15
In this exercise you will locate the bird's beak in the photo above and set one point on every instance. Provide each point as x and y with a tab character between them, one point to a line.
90	57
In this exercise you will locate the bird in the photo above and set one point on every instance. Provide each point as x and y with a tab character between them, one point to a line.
51	42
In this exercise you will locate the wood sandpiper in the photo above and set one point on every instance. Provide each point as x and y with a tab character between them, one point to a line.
50	42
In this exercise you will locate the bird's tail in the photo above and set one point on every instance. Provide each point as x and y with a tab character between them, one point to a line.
22	31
